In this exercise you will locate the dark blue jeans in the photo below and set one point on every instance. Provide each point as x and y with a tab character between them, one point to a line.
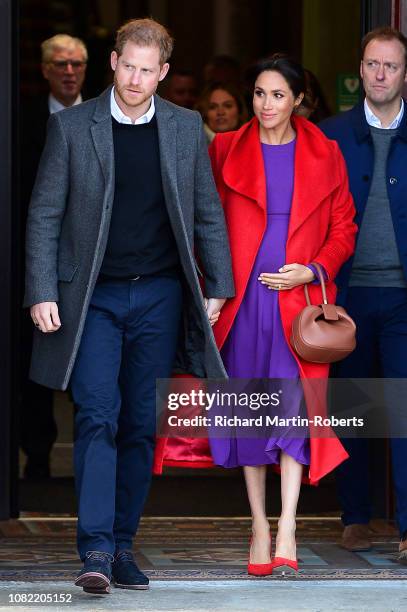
381	318
129	340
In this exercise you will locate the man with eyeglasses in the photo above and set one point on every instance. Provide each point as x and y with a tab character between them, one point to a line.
63	64
373	284
64	61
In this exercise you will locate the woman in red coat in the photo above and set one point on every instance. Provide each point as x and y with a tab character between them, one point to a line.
285	194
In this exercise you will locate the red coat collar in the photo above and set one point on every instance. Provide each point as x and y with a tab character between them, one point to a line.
315	174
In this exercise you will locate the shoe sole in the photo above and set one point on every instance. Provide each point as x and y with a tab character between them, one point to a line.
284	570
132	587
102	591
259	575
93	582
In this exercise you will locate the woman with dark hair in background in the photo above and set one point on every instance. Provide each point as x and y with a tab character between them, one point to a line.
314	105
285	194
222	107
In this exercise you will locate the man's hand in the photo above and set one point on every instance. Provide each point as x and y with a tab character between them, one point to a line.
289	276
45	316
213	307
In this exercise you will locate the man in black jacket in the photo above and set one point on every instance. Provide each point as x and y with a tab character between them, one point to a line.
373	283
64	60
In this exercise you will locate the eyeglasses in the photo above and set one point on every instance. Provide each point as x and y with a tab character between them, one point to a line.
63	64
373	66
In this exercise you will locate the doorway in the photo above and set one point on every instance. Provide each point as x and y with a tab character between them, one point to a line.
314	31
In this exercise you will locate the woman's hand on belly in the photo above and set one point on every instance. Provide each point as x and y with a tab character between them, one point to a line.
289	276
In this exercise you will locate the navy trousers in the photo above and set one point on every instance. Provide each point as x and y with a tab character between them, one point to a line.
129	340
381	318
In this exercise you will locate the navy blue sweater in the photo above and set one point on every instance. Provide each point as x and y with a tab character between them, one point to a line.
141	241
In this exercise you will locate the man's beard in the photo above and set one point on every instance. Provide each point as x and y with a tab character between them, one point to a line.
127	100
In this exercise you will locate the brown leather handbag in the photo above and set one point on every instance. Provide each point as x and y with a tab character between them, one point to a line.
324	333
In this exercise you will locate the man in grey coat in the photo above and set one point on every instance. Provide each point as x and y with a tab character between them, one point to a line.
123	200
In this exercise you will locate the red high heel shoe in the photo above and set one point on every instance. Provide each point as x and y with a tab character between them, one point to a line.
259	569
284	567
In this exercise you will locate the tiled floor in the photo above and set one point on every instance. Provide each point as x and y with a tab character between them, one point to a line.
185	548
38	548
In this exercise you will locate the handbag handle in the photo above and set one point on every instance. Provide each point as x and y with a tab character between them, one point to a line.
321	280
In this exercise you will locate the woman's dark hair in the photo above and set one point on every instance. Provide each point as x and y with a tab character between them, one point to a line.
291	70
314	99
203	103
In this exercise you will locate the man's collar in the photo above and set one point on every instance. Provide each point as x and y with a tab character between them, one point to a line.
118	114
374	121
362	128
54	105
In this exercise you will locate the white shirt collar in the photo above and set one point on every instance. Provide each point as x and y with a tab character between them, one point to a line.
375	121
118	114
55	105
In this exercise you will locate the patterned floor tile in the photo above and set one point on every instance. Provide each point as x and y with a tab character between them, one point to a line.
44	548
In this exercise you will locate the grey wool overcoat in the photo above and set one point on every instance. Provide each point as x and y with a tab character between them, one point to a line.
68	226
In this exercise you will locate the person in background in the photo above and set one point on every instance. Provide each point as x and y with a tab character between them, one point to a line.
314	105
64	61
63	65
284	190
222	107
373	284
181	89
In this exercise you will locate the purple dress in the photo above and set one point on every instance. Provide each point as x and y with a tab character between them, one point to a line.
256	346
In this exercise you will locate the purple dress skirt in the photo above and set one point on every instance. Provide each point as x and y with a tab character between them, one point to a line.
256	346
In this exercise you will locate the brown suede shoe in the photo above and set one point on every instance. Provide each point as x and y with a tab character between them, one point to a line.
356	538
402	558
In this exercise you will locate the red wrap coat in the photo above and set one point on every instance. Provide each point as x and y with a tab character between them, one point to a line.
321	229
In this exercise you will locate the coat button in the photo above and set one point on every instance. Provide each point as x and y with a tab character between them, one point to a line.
392	180
365	177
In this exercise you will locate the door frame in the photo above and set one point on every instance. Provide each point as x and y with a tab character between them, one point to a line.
8	258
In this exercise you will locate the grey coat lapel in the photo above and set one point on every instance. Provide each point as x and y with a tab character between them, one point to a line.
102	135
167	137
